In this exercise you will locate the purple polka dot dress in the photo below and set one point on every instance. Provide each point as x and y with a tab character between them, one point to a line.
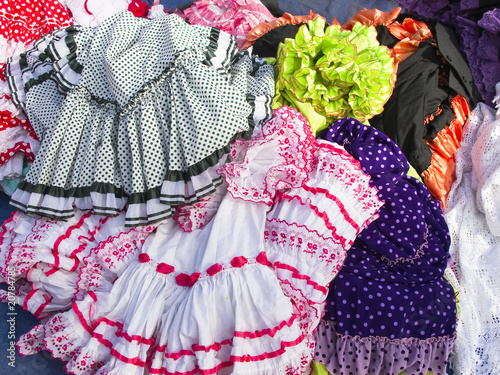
390	309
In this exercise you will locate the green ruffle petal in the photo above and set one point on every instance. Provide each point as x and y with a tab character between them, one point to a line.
333	73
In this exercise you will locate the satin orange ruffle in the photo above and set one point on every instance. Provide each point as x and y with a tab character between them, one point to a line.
441	173
373	17
410	32
264	27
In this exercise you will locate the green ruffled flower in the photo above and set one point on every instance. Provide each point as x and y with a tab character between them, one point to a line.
333	73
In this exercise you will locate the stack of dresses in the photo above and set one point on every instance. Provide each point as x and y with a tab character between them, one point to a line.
241	292
221	223
193	209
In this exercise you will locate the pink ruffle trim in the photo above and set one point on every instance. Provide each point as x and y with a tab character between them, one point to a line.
236	17
279	158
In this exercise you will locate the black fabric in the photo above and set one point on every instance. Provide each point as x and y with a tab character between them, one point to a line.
273	7
267	45
484	6
460	78
384	37
427	81
416	96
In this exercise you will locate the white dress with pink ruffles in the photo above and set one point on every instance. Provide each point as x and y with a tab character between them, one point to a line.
239	293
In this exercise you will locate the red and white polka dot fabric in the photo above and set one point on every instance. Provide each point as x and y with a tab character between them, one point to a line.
27	20
22	22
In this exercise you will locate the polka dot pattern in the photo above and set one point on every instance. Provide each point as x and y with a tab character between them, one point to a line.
22	22
353	355
150	118
27	20
391	284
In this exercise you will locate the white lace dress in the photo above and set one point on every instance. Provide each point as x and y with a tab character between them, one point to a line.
473	217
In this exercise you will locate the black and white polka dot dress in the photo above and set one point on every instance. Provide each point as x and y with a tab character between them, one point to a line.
135	114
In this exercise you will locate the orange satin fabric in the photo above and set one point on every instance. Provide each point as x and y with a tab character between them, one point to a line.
373	17
441	173
264	27
410	32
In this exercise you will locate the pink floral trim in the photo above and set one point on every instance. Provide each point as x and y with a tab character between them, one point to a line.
198	214
54	330
347	174
31	342
308	311
6	232
108	258
21	256
287	141
22	286
281	196
350	174
303	240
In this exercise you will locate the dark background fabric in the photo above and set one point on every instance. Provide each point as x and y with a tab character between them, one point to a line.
42	363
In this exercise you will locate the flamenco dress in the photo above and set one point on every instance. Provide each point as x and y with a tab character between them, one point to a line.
240	293
477	23
135	112
390	309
